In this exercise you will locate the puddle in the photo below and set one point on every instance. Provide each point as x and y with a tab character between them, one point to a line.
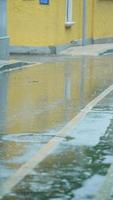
46	97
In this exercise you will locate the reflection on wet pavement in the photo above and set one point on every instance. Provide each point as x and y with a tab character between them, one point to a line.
35	103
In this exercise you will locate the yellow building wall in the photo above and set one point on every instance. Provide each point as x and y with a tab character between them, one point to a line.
99	19
103	18
32	24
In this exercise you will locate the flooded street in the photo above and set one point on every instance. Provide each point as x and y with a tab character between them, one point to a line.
38	101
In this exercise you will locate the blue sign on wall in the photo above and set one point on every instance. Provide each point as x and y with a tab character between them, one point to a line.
44	2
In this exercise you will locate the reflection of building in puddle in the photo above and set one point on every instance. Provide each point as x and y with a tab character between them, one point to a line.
99	77
36	99
46	96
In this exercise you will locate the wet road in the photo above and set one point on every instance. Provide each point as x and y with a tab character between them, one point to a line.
35	103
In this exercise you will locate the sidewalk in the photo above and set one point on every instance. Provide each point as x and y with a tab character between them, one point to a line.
90	50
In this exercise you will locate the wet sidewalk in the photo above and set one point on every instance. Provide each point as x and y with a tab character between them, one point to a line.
89	50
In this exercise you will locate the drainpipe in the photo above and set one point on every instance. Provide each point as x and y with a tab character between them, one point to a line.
92	22
4	39
84	23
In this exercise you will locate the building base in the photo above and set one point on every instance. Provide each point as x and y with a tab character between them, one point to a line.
49	50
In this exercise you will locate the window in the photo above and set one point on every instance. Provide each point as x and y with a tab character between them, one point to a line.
69	12
44	2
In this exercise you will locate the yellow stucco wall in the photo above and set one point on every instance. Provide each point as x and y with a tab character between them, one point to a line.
99	18
30	23
103	18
